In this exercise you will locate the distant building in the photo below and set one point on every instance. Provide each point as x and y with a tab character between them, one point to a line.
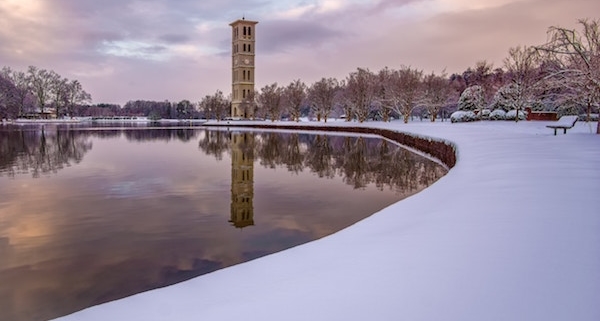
243	35
48	113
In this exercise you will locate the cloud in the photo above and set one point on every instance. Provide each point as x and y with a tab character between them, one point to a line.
128	49
278	36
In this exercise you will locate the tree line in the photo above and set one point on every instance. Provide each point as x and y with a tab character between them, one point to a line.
560	75
38	91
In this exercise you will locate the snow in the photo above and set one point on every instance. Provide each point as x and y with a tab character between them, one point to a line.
512	232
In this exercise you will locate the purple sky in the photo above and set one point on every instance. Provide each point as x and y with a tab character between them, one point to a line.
124	50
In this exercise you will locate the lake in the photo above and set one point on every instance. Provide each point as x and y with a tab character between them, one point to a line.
94	213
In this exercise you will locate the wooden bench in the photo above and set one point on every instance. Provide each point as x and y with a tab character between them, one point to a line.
564	123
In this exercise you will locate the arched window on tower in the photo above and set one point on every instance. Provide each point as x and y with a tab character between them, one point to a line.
244	31
249	50
244	47
249	31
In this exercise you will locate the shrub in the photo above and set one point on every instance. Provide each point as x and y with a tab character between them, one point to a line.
512	114
463	116
584	117
484	114
498	114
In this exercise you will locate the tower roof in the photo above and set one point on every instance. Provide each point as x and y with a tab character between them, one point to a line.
243	21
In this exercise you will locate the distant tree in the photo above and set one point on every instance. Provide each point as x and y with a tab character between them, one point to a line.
471	99
215	106
184	109
58	91
385	99
436	93
21	91
522	72
361	93
269	101
293	96
482	75
41	82
322	97
8	107
404	89
75	95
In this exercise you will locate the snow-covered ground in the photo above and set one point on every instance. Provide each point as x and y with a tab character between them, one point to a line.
512	232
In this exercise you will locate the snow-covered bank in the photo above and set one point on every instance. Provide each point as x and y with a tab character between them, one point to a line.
512	232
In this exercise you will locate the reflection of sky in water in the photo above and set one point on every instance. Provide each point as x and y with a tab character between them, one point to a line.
135	215
143	187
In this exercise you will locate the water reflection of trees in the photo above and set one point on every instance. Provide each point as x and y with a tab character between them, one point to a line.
42	150
359	161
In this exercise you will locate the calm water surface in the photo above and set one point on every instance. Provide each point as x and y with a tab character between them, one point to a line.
93	214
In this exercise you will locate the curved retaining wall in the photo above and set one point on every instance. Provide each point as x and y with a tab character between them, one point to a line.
442	150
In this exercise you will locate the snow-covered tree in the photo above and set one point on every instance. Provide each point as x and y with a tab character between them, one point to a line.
361	93
404	89
294	96
521	65
321	96
471	99
574	61
436	92
269	101
504	98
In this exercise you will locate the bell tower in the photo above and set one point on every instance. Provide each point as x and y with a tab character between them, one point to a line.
243	36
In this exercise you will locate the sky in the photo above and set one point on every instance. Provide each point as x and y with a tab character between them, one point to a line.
510	233
123	50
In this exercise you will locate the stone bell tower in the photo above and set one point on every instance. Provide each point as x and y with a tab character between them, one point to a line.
243	37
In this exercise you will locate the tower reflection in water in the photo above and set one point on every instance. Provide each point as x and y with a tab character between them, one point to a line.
242	179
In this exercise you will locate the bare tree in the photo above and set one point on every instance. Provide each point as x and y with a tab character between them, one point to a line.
21	88
361	93
322	97
215	106
269	100
521	65
8	107
436	93
575	58
385	101
404	89
58	92
75	95
294	96
40	82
